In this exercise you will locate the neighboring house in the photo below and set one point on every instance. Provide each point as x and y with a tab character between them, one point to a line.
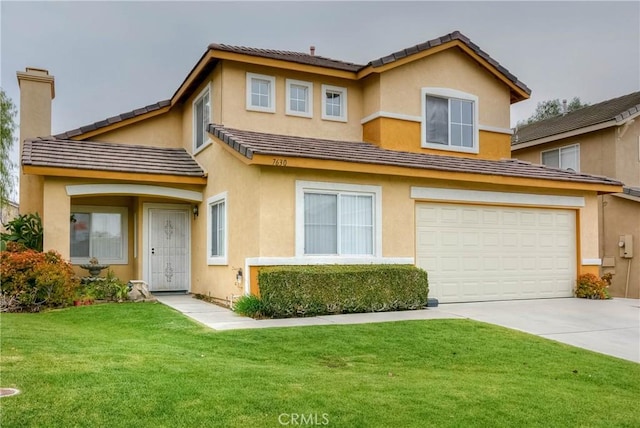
7	213
602	139
264	157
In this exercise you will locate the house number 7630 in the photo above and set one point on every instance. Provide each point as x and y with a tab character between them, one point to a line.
279	162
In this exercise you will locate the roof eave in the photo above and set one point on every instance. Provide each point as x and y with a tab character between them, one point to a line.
266	159
563	135
112	175
517	93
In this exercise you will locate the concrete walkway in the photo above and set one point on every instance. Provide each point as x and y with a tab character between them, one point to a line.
610	327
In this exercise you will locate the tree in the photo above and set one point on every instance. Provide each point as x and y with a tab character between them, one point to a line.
551	108
7	126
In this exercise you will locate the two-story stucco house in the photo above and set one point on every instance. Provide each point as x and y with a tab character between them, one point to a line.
265	157
602	139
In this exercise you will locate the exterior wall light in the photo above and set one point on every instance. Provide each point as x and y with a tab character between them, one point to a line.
195	211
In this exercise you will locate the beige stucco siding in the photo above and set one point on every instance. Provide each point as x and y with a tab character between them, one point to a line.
242	185
400	88
628	154
371	95
236	115
620	216
604	152
164	130
278	205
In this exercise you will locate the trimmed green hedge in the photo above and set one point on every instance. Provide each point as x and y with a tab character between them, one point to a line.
292	291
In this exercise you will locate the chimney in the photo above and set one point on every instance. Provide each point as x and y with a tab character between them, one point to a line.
565	109
312	50
37	90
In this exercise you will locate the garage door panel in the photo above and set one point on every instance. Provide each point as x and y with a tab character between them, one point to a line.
475	253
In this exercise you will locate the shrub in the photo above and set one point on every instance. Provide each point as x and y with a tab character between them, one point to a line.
107	288
250	306
25	229
589	286
32	280
289	291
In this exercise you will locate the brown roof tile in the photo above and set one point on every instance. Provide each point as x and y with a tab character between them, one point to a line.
616	109
114	119
298	57
249	143
100	156
456	35
301	58
632	191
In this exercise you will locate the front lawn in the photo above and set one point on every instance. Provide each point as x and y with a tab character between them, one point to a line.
144	365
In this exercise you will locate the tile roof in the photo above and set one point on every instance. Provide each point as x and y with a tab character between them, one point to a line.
100	156
305	58
250	143
616	109
114	119
456	35
632	191
298	57
301	58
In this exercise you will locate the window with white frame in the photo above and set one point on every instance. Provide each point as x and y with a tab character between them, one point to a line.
299	98
217	229
334	103
261	92
336	219
567	157
449	120
201	118
99	232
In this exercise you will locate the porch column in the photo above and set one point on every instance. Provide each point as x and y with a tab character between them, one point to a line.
589	247
55	218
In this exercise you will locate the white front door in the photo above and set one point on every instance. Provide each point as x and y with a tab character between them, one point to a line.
167	251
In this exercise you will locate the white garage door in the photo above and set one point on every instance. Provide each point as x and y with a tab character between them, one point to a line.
479	253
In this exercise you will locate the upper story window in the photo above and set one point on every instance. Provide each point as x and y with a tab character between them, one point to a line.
201	118
449	120
567	157
299	98
261	93
98	231
334	103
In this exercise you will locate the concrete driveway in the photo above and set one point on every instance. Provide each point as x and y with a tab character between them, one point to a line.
610	327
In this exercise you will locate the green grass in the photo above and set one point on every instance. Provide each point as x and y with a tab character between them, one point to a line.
144	365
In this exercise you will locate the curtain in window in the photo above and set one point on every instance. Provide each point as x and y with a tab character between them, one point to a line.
551	158
569	157
333	104
217	229
437	118
80	232
356	224
106	236
202	113
320	223
206	115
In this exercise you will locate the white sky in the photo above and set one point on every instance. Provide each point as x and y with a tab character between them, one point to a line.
112	57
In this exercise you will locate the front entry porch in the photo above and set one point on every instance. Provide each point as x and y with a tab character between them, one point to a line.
142	232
